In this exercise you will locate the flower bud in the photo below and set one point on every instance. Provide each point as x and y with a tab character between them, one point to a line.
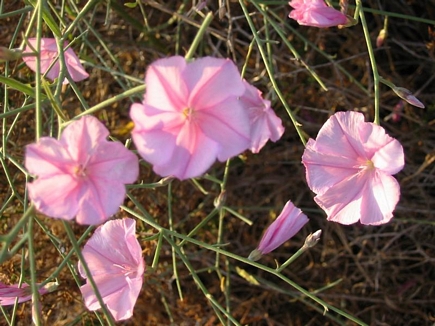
406	95
9	54
381	37
312	239
287	224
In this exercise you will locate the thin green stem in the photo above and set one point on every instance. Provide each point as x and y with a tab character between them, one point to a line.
88	6
38	91
291	259
200	225
269	71
198	281
133	91
174	256
372	61
199	35
36	304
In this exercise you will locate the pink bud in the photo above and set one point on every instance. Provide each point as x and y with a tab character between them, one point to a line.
288	223
406	94
23	292
381	38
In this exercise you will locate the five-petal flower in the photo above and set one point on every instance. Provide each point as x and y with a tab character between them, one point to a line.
350	166
190	116
82	174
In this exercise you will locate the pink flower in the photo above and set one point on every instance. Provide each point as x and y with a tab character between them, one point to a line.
265	124
48	54
349	167
316	13
8	293
288	223
114	258
82	174
190	116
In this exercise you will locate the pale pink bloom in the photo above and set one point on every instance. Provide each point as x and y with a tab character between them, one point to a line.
316	13
9	293
350	166
48	54
265	124
287	224
82	174
114	258
190	116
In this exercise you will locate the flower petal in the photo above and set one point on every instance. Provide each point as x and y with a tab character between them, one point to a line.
74	66
82	136
113	162
212	81
228	125
56	196
325	170
47	158
166	89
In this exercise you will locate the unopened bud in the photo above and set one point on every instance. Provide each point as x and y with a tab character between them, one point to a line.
166	180
381	37
51	286
312	239
406	95
219	201
9	54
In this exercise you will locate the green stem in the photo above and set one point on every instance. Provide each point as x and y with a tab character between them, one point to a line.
174	256
269	72
38	91
198	38
197	280
291	259
116	98
36	304
372	60
11	236
88	6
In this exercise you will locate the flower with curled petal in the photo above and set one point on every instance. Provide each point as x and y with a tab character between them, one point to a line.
48	54
114	258
350	166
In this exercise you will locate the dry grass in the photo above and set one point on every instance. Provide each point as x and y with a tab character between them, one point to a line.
383	275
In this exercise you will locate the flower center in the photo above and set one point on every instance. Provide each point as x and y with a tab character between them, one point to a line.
80	171
369	165
189	113
126	269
